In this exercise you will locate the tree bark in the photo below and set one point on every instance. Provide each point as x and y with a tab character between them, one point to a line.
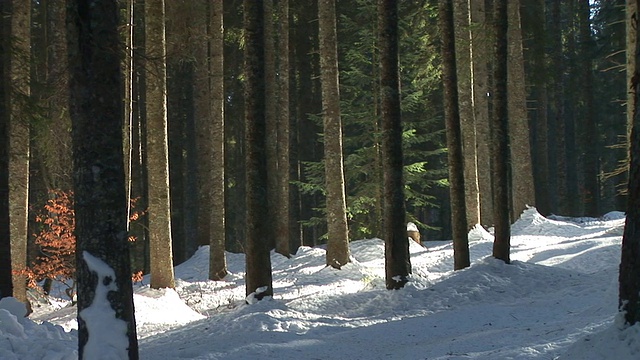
500	143
157	148
629	278
521	166
102	248
282	234
271	118
480	45
631	61
397	258
459	223
203	118
558	130
462	20
6	282
259	277
338	242
542	166
217	259
59	152
19	140
590	143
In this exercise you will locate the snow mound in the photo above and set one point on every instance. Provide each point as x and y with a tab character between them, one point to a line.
531	222
156	318
478	233
21	338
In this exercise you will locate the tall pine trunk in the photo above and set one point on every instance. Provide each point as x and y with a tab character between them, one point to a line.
459	225
271	118
258	259
590	141
199	48
397	258
157	147
102	247
463	68
19	140
282	234
480	49
338	242
6	282
500	142
522	189
629	278
542	165
217	259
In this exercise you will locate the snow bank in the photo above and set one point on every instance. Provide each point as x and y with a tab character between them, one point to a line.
21	338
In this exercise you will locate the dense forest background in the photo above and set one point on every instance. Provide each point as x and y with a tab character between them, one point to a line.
573	56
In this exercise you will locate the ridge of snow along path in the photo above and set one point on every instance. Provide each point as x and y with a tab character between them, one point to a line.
557	300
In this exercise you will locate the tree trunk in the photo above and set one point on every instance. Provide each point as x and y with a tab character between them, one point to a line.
102	248
338	242
308	102
542	170
59	154
203	120
282	234
521	166
6	282
397	258
590	142
629	278
454	137
500	143
462	20
157	147
631	44
480	46
259	278
271	118
558	133
127	128
19	141
217	259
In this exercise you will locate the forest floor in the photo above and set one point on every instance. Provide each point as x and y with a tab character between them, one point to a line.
556	300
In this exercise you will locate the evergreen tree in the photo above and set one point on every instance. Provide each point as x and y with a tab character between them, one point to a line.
259	277
535	20
463	68
500	142
519	146
282	235
454	137
480	48
103	264
19	141
590	137
217	260
338	234
629	278
397	258
6	284
203	120
157	148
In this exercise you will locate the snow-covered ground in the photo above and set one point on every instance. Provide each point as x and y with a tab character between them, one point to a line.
557	300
